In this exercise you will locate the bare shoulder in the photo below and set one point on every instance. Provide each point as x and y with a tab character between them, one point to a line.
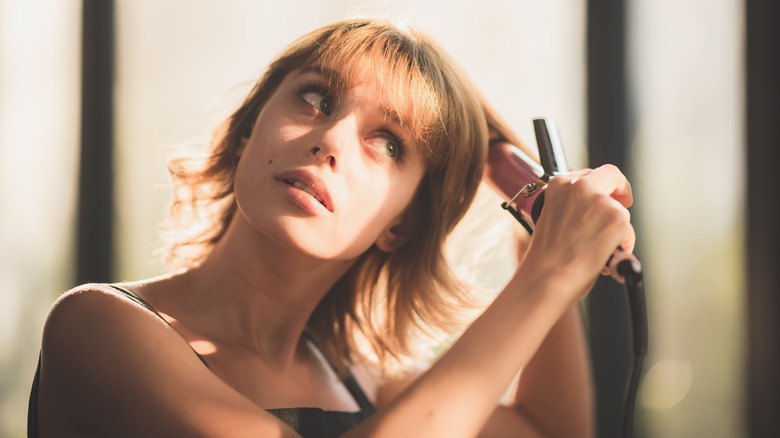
88	299
91	315
91	351
81	315
107	362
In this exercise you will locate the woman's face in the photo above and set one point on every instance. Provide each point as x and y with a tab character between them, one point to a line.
329	175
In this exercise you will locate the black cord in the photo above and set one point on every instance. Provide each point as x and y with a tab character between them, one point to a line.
635	294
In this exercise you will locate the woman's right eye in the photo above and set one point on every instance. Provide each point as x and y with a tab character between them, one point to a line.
318	99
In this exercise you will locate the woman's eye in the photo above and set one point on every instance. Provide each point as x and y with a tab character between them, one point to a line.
391	149
389	145
317	99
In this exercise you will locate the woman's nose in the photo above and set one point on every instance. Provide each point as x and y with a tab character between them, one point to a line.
336	141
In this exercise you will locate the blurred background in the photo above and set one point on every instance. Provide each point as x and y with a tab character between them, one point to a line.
660	87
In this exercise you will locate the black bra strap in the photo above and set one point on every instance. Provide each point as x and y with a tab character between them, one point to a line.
149	307
357	392
348	379
138	300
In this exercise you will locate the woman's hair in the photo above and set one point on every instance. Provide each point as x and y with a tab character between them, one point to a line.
387	298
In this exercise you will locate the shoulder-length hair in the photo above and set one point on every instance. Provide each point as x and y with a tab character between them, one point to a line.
386	299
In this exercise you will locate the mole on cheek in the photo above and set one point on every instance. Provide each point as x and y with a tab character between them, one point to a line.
270	161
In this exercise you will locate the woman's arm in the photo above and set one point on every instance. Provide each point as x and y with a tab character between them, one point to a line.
553	396
555	389
583	222
460	392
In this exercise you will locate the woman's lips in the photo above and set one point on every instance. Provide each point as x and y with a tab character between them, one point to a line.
309	184
305	188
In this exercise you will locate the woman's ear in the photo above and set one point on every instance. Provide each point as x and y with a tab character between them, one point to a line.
394	236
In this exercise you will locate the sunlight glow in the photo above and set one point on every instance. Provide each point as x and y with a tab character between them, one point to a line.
666	384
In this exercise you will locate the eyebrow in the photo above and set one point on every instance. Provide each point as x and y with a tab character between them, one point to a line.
333	76
341	83
392	115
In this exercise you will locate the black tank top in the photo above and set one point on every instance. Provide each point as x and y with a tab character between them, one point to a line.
308	422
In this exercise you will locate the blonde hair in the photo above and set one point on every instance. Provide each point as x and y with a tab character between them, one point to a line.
386	299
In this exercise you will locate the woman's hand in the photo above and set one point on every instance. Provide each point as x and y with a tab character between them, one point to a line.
584	219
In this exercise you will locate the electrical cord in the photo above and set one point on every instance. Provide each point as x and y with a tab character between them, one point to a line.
635	296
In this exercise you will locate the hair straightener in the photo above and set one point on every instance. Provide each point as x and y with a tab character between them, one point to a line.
523	183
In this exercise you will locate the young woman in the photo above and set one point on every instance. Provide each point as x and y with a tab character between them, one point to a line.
310	256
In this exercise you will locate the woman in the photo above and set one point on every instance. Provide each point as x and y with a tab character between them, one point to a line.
310	247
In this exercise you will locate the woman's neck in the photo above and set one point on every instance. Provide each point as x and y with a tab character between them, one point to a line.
254	293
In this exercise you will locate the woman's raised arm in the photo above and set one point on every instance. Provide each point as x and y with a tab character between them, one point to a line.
583	222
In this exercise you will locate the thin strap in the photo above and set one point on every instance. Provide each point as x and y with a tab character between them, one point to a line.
357	392
149	307
139	300
348	379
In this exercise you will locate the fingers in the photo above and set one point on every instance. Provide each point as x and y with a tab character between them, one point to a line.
612	178
606	179
596	198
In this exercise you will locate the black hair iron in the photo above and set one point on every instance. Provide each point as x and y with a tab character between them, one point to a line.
526	206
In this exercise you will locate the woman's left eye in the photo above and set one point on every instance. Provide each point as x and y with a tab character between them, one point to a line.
389	145
318	99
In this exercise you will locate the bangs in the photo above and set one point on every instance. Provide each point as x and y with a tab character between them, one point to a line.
397	61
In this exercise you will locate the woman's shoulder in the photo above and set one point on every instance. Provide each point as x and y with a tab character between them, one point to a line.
92	320
91	300
91	305
96	293
99	318
107	361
